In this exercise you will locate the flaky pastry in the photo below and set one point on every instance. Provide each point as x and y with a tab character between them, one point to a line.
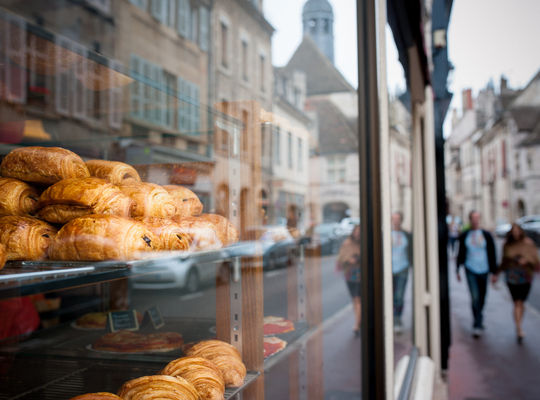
18	198
212	348
224	226
172	236
3	256
201	373
97	396
73	198
204	234
158	387
151	199
103	237
26	238
44	165
187	203
114	171
233	370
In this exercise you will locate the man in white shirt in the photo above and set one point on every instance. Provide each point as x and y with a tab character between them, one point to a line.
477	254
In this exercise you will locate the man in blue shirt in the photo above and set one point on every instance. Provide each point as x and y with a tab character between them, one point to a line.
477	254
401	261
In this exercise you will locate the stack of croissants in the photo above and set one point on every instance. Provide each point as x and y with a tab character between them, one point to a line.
54	206
209	367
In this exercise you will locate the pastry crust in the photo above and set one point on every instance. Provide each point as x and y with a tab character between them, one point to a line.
114	171
18	198
157	387
74	198
151	199
201	373
212	348
103	237
224	226
44	165
204	234
172	236
132	342
3	256
97	396
26	238
233	370
187	203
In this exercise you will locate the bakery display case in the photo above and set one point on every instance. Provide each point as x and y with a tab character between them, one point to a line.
135	227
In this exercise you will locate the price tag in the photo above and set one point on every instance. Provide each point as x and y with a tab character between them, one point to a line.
155	317
123	320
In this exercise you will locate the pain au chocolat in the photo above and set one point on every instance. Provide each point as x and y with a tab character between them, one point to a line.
204	234
113	171
103	237
201	373
187	203
224	226
151	199
97	396
73	198
18	198
172	236
226	358
158	387
26	238
43	165
3	256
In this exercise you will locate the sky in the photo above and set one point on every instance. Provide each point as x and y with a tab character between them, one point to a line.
486	38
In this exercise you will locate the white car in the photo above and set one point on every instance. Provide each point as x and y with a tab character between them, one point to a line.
347	225
502	229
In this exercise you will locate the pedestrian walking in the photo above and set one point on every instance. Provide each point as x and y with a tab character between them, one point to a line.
401	261
348	263
519	262
477	254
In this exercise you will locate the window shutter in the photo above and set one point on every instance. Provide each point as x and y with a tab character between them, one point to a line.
184	16
63	93
182	106
171	12
79	76
158	101
204	22
115	95
136	102
15	59
196	110
159	10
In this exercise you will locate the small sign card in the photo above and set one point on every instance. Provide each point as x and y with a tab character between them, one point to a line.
123	320
156	317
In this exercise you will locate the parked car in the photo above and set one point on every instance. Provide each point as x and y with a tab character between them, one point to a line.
326	236
347	225
502	229
279	247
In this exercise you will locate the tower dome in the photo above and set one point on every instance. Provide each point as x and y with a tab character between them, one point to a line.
318	21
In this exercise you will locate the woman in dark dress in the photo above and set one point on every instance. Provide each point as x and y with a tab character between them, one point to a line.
520	261
348	262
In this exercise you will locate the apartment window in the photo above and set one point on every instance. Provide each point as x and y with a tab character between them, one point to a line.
300	158
170	18
188	110
290	152
244	60
517	163
530	162
297	98
170	86
277	146
313	26
262	74
224	46
245	133
140	3
336	169
183	18
147	102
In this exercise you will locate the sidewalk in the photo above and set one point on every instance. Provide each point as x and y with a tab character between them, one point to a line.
494	366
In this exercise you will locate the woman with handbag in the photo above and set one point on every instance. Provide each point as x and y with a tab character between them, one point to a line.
520	261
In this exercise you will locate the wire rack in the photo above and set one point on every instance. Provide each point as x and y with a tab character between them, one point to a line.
40	379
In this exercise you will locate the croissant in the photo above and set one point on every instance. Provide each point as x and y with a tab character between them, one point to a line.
233	370
201	373
224	226
97	396
17	198
204	234
73	198
187	203
172	236
3	256
158	387
114	171
151	199
103	237
212	348
44	165
26	238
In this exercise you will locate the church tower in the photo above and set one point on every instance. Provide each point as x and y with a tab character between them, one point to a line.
318	20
